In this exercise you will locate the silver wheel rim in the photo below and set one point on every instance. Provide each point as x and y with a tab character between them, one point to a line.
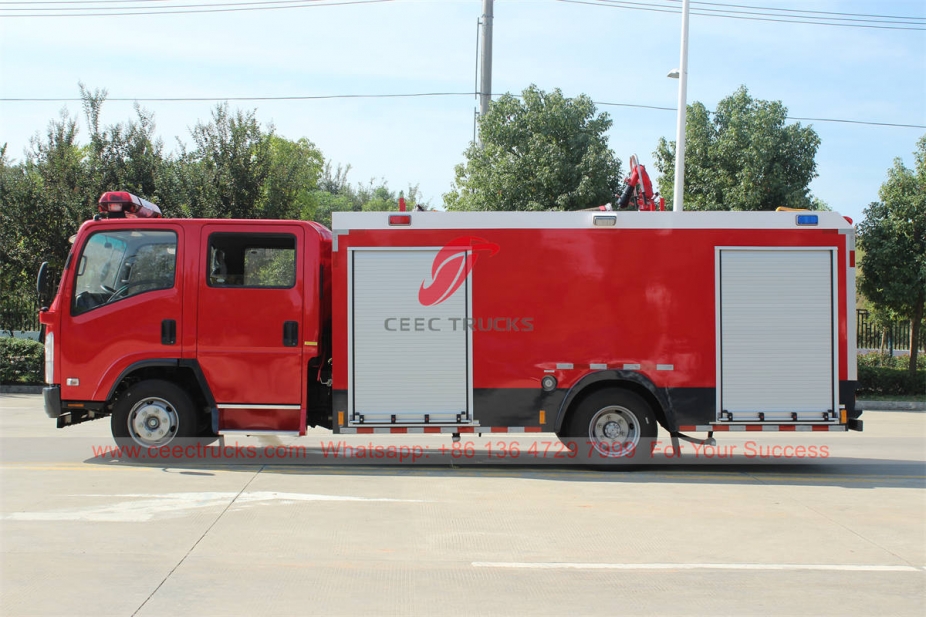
153	421
614	431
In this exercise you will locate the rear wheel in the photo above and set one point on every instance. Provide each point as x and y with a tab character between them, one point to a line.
616	423
153	413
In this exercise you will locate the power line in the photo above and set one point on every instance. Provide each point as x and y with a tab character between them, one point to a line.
822	20
753	13
720	4
763	14
171	6
205	8
777	12
179	99
770	8
80	2
636	106
907	126
839	120
755	16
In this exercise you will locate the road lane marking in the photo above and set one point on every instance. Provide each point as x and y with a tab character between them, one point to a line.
174	504
693	566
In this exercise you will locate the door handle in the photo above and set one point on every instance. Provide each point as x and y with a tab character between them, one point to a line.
290	333
168	332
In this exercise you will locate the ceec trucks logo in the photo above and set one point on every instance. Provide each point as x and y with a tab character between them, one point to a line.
451	267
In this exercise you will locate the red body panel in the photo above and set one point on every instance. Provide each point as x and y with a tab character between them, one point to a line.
260	420
595	296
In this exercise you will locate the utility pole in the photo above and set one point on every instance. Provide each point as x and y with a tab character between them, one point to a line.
485	73
679	192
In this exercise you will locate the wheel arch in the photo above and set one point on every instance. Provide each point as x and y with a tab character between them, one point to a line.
629	380
186	374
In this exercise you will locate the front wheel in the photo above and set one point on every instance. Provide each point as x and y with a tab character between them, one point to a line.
153	413
617	424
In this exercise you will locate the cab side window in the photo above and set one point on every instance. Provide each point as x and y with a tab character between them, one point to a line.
116	265
251	260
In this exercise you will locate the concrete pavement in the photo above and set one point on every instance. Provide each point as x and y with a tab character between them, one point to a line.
91	535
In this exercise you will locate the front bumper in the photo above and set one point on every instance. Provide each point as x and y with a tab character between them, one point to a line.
69	413
52	396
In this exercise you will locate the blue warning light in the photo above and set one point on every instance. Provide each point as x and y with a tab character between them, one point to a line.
808	219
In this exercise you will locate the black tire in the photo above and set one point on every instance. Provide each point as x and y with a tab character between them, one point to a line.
613	424
153	413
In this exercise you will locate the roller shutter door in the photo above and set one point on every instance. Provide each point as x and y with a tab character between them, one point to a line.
777	336
407	360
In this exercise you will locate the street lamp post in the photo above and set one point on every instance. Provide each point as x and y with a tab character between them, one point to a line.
678	195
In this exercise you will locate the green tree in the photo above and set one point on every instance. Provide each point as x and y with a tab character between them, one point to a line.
295	168
542	152
124	156
374	197
42	203
44	198
744	156
336	194
235	168
323	204
227	169
893	236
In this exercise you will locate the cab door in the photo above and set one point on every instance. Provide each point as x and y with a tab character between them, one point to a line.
122	304
250	322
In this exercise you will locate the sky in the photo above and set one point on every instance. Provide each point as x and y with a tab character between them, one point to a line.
611	52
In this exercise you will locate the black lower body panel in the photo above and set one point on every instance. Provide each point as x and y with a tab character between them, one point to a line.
496	406
522	406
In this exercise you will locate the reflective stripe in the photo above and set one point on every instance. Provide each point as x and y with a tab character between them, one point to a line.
430	430
245	406
735	428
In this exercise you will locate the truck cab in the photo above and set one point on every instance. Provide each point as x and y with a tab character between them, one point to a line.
184	328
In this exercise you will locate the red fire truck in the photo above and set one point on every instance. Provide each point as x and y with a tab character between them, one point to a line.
597	325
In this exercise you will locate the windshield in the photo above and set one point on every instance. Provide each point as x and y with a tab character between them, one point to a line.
120	264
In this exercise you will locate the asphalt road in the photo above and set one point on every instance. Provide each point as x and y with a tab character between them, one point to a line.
84	531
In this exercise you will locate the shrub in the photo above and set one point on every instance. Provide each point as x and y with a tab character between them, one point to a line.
22	361
890	381
903	362
876	359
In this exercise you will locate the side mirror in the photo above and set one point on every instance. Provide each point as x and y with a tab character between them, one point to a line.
43	286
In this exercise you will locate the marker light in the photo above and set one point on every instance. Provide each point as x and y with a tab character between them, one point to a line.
120	204
400	219
50	358
807	219
605	221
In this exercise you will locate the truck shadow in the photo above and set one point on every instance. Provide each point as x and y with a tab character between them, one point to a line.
834	472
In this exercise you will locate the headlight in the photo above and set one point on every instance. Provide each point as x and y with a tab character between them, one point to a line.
50	358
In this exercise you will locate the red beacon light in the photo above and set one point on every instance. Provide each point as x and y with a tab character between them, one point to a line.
120	204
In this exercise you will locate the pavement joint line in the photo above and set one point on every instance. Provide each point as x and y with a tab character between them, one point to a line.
195	544
697	566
